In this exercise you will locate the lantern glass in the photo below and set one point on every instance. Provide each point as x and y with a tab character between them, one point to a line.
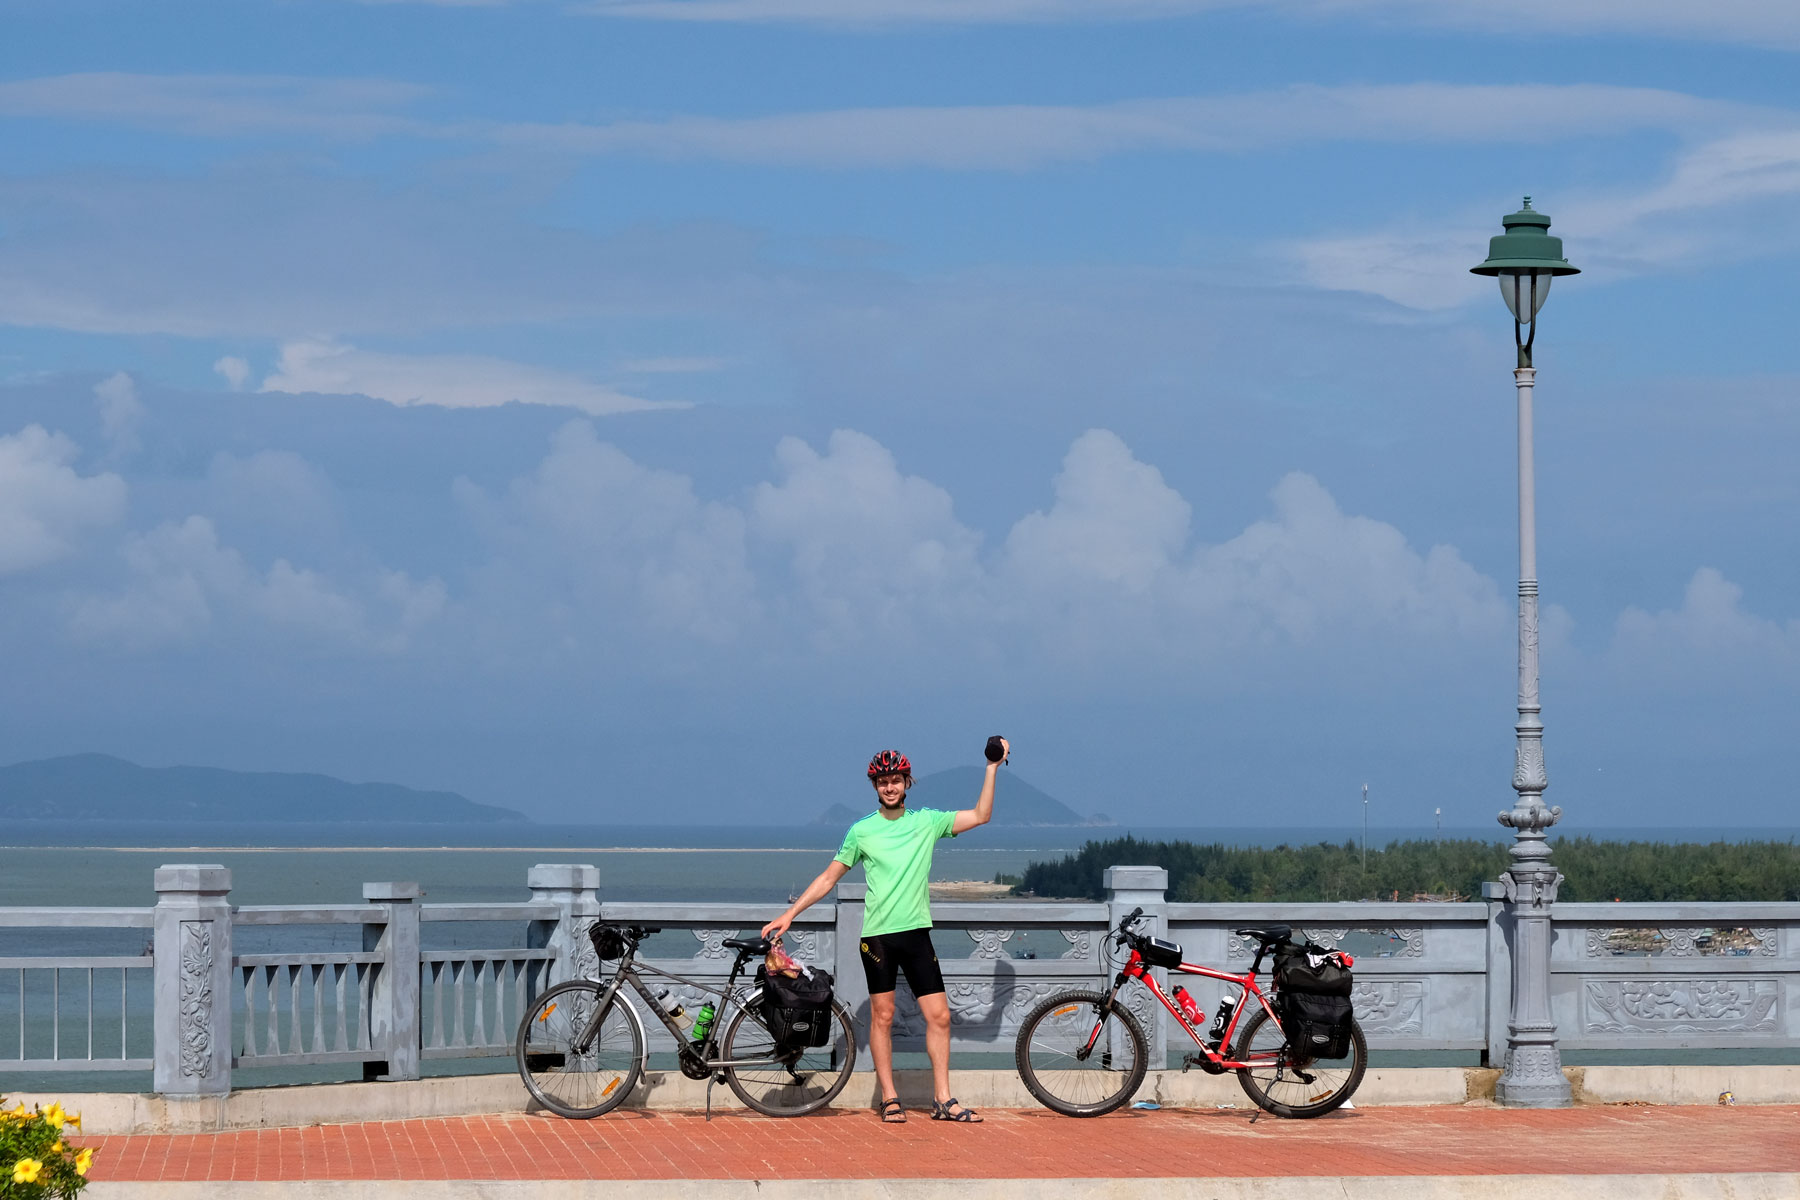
1516	290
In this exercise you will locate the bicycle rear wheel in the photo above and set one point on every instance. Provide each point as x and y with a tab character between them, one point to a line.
571	1083
1303	1088
1076	1061
805	1081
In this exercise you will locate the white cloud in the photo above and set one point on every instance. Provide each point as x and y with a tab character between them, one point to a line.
1754	22
1023	136
1672	225
1110	561
235	371
599	545
870	551
121	412
1710	629
219	105
45	506
182	583
448	380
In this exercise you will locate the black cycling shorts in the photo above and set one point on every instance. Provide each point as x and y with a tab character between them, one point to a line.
888	954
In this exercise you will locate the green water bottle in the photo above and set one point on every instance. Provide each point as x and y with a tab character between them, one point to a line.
703	1022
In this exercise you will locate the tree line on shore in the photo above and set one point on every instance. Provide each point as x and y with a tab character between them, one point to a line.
1593	870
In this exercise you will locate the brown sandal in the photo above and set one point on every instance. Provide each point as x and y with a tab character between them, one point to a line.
892	1111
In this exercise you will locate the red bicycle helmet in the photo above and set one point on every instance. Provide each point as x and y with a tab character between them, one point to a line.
889	762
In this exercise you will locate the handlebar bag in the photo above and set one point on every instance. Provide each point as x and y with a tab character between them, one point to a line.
1157	953
1311	969
796	1009
609	941
1315	1026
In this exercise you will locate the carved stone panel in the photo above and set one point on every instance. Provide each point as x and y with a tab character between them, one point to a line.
1688	941
1390	1007
1080	941
993	1008
712	943
990	943
801	945
1695	1006
196	998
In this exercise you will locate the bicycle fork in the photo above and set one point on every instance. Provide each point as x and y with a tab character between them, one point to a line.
1106	1007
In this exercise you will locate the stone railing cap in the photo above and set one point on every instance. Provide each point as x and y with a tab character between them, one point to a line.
211	879
392	891
852	891
1136	879
571	876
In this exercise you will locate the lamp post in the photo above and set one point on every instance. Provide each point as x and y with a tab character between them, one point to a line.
1525	259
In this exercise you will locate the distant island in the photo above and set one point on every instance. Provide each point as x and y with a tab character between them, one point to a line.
99	787
1015	801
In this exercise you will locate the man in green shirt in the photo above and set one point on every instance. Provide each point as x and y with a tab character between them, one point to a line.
896	845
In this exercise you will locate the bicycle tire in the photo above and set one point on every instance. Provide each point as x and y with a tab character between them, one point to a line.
1049	1037
585	1086
1339	1082
780	1091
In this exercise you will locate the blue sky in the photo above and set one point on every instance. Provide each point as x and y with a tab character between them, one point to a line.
626	410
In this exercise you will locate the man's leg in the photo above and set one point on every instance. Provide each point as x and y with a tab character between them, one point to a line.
881	1042
936	1010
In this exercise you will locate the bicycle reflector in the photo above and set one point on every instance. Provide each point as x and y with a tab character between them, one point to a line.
1067	1010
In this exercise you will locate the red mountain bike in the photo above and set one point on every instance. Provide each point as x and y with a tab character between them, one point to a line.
1084	1053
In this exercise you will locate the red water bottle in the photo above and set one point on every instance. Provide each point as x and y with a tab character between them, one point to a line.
1190	1009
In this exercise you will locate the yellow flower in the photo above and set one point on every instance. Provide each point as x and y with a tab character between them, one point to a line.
72	1119
83	1159
26	1170
56	1147
53	1116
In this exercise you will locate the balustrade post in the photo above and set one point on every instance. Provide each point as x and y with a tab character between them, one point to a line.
394	998
849	983
193	980
1147	888
574	888
1499	973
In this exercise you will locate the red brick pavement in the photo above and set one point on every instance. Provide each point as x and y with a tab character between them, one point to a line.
1010	1144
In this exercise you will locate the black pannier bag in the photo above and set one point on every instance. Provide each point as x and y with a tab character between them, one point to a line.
796	1009
1312	989
1157	953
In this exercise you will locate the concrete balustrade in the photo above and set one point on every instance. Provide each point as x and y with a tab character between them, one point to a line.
360	985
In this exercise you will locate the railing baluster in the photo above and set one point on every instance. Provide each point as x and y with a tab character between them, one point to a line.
90	1006
55	1012
437	1005
294	1043
21	1014
480	1007
318	982
273	1042
458	970
124	973
249	1009
337	977
365	982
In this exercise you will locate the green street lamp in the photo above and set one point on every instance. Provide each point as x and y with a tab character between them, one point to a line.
1525	259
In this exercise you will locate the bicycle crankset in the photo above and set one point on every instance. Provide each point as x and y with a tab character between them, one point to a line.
1204	1063
693	1067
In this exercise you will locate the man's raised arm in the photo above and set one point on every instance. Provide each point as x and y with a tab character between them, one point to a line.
983	812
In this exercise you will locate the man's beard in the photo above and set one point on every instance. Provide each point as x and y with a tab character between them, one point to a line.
882	800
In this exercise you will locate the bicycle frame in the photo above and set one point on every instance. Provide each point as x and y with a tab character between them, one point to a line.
1135	968
627	972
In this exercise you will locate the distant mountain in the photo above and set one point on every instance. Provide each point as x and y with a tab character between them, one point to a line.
1015	801
100	787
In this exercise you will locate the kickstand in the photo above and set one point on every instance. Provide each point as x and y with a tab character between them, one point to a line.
710	1080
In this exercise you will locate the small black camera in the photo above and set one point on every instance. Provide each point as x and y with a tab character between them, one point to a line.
996	748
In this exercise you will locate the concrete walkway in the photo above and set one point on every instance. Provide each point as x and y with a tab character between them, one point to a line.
1457	1152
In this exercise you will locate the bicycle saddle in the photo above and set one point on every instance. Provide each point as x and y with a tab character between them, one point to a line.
748	945
1267	933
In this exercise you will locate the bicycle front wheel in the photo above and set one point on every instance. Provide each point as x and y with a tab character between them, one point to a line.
571	1082
1296	1087
801	1081
1077	1060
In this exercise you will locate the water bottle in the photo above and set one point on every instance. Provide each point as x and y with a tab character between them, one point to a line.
703	1022
1223	1020
677	1014
1190	1008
